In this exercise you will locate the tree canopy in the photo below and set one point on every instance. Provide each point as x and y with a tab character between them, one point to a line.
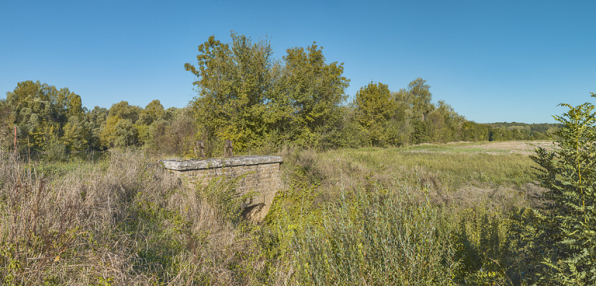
247	96
260	102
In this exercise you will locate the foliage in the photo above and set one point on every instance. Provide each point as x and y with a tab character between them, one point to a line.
315	90
175	135
76	134
134	224
482	248
567	228
6	120
94	123
53	122
476	191
235	90
119	130
503	131
375	237
121	220
375	108
409	117
424	214
248	97
245	95
261	103
40	111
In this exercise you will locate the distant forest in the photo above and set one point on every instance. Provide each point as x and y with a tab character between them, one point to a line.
258	102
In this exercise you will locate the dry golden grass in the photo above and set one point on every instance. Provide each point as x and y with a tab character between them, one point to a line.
511	147
129	223
463	174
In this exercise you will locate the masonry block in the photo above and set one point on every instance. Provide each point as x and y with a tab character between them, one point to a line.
261	176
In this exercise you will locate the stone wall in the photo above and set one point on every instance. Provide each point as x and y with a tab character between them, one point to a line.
261	175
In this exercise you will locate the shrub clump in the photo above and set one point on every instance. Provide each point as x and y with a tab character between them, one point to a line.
377	237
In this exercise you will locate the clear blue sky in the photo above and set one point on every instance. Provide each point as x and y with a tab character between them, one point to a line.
492	61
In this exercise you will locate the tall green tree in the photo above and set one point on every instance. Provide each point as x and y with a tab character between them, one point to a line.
6	125
94	120
401	124
153	111
421	98
444	123
124	110
76	134
316	90
375	108
414	105
119	129
234	84
41	111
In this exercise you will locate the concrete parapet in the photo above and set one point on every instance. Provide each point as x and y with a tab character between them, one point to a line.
260	175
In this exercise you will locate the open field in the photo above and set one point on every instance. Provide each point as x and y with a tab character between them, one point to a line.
120	220
452	172
474	187
495	148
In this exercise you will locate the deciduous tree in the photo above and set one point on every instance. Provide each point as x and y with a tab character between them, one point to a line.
234	85
316	90
375	109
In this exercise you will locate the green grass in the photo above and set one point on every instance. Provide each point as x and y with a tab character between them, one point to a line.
444	148
454	167
70	163
376	237
362	193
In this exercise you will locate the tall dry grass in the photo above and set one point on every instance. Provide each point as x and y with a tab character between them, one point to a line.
369	216
473	199
459	179
131	223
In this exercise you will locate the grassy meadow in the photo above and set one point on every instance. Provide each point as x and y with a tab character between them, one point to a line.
428	214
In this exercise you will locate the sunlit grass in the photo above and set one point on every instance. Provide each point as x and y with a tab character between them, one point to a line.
453	165
339	219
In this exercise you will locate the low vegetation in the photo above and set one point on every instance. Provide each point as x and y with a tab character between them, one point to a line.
120	219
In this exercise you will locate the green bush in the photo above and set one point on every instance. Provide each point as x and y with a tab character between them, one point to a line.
376	237
55	150
567	232
482	247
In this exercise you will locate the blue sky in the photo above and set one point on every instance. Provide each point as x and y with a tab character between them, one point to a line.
492	61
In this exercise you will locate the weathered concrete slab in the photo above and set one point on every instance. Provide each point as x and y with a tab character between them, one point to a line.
195	164
260	174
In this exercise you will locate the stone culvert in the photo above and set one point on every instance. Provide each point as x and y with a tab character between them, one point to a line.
261	175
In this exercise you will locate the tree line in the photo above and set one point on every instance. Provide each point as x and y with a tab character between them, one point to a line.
257	101
248	96
54	121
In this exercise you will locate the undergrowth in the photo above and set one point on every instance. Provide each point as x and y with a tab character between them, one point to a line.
344	217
